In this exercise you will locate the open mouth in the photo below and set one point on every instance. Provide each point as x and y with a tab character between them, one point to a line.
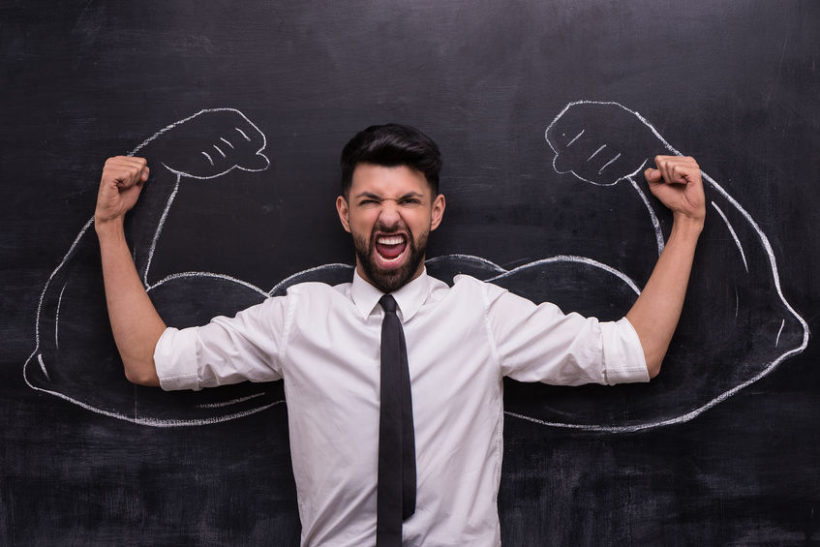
391	249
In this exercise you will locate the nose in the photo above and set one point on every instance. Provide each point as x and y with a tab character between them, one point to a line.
389	216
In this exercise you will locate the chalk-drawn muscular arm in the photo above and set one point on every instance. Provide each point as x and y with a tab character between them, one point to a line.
201	147
72	338
75	356
736	296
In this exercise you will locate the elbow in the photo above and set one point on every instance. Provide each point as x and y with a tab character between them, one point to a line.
144	374
653	366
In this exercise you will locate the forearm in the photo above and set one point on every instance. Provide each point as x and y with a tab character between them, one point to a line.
134	321
656	313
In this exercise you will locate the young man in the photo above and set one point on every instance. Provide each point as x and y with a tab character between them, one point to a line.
455	343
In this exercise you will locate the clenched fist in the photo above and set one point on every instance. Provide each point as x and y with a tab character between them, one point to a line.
676	181
120	185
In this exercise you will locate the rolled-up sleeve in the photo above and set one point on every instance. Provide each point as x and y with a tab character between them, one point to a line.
624	359
227	350
540	343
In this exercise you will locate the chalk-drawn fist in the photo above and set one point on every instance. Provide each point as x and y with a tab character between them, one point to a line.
602	143
211	143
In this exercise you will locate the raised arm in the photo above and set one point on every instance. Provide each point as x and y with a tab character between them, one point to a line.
677	183
134	321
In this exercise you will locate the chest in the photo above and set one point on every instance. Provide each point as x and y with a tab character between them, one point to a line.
332	363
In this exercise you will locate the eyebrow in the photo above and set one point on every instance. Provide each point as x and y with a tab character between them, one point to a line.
371	195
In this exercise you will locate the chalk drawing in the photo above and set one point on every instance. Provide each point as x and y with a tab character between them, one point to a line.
578	151
244	144
734	235
595	119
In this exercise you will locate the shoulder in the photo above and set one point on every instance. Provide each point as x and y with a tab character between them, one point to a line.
468	288
317	290
317	287
316	296
468	283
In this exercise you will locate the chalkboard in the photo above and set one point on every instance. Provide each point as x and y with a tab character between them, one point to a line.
546	114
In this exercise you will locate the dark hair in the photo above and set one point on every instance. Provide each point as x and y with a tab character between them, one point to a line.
391	145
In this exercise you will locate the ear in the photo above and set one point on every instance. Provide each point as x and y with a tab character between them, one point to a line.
343	210
438	211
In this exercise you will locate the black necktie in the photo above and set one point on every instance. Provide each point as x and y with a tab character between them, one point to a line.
396	490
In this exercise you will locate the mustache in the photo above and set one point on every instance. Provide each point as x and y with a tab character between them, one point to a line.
398	226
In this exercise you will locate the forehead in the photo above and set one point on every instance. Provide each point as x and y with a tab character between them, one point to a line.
386	181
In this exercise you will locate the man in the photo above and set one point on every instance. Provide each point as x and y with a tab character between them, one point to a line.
328	345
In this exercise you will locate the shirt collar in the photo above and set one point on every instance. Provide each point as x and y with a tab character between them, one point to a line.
409	298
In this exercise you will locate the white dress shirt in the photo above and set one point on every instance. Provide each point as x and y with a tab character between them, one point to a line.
324	342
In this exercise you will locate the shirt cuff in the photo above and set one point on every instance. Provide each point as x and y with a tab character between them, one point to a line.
175	359
624	360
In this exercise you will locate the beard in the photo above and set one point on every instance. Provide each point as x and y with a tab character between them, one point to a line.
393	279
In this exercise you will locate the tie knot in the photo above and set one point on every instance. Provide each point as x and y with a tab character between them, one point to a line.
388	303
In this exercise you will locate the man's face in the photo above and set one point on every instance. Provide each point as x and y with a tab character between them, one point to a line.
389	211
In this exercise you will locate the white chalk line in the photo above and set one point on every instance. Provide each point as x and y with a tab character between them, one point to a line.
610	162
43	296
230	403
734	235
153	422
653	218
578	136
737	303
183	275
43	366
57	317
573	259
596	152
467	258
48	281
158	231
289	280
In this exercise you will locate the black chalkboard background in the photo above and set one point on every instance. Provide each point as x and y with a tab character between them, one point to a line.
734	84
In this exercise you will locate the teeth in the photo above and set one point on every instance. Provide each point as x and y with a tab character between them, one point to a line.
391	240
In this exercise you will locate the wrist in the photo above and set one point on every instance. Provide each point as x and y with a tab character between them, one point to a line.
109	228
687	226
